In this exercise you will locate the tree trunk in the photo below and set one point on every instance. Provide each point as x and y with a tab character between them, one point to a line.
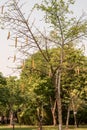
58	98
75	121
53	108
54	118
11	117
67	120
40	123
39	119
59	114
74	113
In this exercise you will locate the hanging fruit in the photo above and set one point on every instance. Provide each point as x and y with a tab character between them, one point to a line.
8	35
16	40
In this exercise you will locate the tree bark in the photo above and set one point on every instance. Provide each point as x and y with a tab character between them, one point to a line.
75	121
58	98
74	113
53	108
39	119
67	120
40	124
11	117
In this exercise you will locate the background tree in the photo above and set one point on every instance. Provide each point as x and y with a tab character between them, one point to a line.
37	83
14	99
75	82
3	97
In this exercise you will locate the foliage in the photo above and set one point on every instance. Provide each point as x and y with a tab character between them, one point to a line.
37	81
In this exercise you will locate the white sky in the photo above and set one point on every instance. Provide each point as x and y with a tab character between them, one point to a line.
6	51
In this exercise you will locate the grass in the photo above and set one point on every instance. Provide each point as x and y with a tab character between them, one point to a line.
36	128
18	128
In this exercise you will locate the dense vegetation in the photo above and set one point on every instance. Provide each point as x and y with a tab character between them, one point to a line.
32	97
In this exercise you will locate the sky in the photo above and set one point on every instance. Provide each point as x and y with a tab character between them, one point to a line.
6	51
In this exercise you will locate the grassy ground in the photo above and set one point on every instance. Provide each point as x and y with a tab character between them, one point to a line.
36	128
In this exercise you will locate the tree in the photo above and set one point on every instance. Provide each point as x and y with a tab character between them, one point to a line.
14	95
75	82
38	82
65	29
3	89
73	79
2	79
3	96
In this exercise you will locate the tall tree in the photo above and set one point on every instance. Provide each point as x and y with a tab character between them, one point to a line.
75	82
65	29
73	78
